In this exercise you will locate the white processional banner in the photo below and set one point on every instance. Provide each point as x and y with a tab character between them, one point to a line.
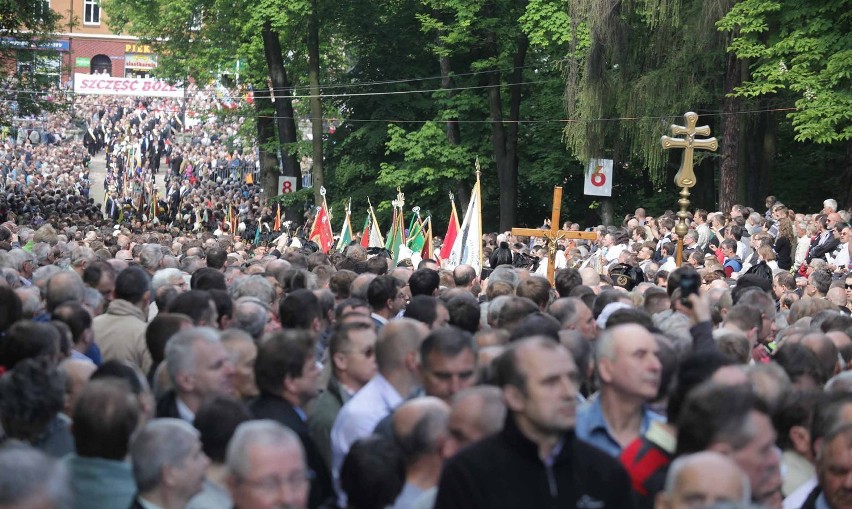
101	84
598	181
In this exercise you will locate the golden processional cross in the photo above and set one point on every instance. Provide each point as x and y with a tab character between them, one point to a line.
685	177
554	234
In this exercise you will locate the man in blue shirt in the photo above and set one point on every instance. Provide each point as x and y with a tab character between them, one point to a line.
629	374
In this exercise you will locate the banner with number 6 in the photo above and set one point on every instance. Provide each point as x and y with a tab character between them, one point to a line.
598	181
286	185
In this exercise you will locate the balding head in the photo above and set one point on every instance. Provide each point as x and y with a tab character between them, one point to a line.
398	345
475	413
825	351
420	427
704	479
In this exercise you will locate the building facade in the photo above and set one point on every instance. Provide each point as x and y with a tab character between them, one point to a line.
84	43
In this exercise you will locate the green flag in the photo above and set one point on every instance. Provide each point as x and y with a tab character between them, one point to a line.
416	239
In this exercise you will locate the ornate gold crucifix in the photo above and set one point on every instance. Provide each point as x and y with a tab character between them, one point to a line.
554	234
685	177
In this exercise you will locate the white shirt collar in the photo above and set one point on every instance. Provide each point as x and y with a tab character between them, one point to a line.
185	413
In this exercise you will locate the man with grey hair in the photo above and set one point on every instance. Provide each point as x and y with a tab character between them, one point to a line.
82	257
151	258
475	413
165	278
629	373
199	366
704	479
574	314
63	287
168	464
253	286
251	315
23	262
420	429
31	479
266	467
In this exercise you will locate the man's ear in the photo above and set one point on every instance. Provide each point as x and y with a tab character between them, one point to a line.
289	384
515	399
800	437
185	382
605	369
340	361
412	361
662	501
722	448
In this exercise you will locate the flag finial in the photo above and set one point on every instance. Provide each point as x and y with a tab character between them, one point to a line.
478	167
322	190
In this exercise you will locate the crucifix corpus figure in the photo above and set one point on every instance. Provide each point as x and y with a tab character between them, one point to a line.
685	177
554	234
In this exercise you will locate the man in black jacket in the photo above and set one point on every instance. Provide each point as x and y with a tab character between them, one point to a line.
288	377
536	461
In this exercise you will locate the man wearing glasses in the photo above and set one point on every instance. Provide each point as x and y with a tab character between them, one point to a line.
353	364
266	467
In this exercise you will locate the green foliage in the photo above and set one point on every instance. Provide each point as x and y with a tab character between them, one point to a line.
801	52
430	165
649	62
23	85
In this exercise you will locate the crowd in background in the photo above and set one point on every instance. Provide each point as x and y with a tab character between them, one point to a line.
184	365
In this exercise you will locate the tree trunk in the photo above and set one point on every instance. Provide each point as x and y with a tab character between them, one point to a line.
282	100
316	102
846	178
767	163
453	131
729	168
504	139
266	139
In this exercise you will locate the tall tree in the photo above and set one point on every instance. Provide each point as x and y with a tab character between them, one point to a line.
801	53
646	63
24	26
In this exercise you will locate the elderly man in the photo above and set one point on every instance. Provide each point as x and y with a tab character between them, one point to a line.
420	429
834	464
629	373
536	461
199	366
704	479
31	479
266	467
168	464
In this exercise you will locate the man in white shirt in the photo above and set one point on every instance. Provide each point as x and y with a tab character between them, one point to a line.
397	351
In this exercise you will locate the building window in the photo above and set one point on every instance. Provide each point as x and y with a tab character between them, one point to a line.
92	12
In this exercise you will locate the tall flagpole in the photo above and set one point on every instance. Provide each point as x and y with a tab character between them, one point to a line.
479	212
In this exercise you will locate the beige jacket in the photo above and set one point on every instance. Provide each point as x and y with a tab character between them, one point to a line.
120	334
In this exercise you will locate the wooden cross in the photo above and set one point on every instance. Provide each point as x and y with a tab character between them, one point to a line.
554	234
686	176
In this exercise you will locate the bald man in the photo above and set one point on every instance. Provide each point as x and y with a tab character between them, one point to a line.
702	480
420	430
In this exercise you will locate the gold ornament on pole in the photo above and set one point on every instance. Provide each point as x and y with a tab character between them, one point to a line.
685	177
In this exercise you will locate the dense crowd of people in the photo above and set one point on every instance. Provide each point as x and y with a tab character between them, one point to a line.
183	365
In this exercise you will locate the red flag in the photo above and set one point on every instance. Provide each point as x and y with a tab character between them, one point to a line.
365	236
452	231
277	226
321	231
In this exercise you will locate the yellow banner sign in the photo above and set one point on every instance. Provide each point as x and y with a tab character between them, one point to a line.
137	48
